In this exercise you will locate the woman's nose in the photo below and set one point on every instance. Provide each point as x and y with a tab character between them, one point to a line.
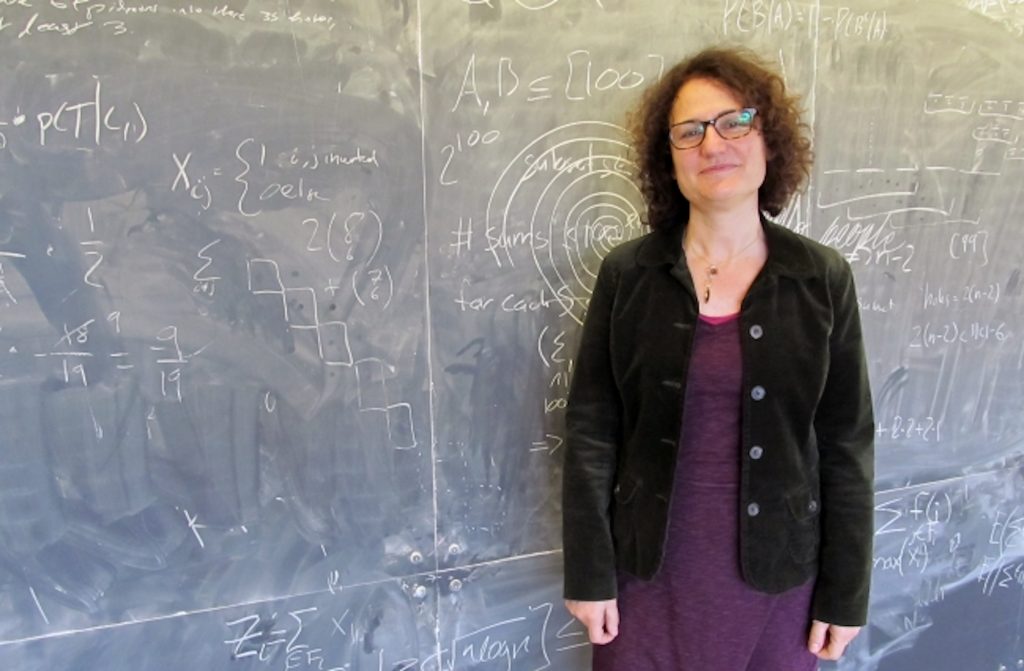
713	142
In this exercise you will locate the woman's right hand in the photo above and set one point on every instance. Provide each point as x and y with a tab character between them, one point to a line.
601	618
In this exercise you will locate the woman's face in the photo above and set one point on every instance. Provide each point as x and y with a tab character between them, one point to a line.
718	175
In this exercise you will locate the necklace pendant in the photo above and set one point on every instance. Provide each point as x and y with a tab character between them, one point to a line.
712	269
707	293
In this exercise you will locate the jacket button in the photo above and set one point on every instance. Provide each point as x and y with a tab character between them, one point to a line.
756	331
757	393
756	452
753	510
812	506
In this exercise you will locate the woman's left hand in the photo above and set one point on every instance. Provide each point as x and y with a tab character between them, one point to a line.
829	641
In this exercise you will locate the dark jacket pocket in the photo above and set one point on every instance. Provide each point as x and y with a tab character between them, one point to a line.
804	533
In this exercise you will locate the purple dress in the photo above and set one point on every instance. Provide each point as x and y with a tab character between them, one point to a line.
698	614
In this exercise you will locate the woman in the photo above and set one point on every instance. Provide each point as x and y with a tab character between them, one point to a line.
719	459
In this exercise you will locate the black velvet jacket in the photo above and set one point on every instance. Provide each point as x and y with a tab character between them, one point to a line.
807	456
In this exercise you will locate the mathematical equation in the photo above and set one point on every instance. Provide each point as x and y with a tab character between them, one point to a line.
949	532
255	179
973	332
369	282
779	16
80	122
578	79
289	641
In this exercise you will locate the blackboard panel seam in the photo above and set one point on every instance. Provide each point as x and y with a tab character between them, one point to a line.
427	315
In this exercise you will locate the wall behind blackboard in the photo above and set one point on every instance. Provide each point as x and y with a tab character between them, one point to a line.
289	294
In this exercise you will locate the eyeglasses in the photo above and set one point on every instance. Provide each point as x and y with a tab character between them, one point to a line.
731	125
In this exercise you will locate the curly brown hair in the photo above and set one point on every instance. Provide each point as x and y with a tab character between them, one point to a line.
786	136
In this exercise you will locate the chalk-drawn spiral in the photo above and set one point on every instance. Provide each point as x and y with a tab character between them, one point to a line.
569	196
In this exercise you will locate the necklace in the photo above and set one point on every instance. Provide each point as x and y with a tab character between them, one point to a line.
713	268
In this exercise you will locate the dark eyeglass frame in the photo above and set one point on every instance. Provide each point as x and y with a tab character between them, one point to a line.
714	124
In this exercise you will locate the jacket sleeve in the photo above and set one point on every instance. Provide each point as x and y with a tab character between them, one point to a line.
593	419
844	426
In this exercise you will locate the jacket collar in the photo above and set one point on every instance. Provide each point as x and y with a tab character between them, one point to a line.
787	252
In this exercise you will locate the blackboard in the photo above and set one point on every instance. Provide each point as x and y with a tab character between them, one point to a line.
289	294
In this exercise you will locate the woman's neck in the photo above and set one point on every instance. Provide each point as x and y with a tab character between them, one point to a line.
721	235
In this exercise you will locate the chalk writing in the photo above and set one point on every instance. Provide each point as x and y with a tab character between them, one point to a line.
848	23
172	361
198	191
92	120
473	139
579	80
972	245
926	429
779	16
92	250
877	306
205	283
341	244
870	243
931	334
513	301
970	294
263	641
1003	568
922	520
